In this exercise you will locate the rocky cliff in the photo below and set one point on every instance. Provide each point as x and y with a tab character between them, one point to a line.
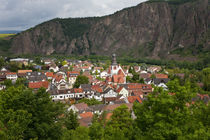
150	29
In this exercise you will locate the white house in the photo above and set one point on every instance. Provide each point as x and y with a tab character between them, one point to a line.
80	108
72	77
62	95
122	91
54	68
11	76
109	93
104	74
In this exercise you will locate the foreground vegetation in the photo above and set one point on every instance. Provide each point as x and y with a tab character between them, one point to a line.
28	115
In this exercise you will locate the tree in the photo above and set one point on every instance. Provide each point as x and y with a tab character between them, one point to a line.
71	121
96	131
81	133
121	121
206	79
8	83
166	116
81	79
2	62
64	62
36	111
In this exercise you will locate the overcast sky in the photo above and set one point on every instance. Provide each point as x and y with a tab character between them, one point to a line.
23	14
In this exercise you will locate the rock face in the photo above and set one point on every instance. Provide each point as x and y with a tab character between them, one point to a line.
151	29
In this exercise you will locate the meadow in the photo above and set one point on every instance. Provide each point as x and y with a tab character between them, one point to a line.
5	35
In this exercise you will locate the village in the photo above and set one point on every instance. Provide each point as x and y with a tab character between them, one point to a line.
110	87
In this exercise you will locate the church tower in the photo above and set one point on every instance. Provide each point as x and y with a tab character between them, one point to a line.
114	60
114	65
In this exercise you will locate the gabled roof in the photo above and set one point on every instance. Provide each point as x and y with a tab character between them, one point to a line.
76	90
81	106
137	93
132	99
145	75
119	89
118	79
161	80
38	85
120	72
161	76
49	74
97	88
86	115
11	73
58	77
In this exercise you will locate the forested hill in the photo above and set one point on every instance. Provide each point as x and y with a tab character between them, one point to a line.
154	29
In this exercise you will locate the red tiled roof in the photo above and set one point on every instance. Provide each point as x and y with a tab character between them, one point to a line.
137	93
11	73
85	67
108	79
118	79
161	76
76	90
108	116
134	86
121	73
58	77
119	89
145	75
49	74
73	72
132	99
97	88
37	85
86	115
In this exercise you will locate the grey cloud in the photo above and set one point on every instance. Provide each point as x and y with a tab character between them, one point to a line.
23	14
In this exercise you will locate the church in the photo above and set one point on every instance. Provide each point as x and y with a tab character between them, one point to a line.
116	73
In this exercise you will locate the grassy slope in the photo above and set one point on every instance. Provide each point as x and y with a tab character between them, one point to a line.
5	43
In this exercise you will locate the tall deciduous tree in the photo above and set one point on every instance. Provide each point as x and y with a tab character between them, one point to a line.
30	115
81	79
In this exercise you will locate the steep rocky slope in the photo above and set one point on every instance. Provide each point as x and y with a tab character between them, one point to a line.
151	29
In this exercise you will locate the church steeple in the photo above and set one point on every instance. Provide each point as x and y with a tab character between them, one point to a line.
114	60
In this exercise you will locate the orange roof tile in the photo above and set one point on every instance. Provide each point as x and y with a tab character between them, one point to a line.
137	93
49	74
132	99
118	79
24	71
161	76
76	90
119	89
11	73
108	116
86	115
37	85
97	88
